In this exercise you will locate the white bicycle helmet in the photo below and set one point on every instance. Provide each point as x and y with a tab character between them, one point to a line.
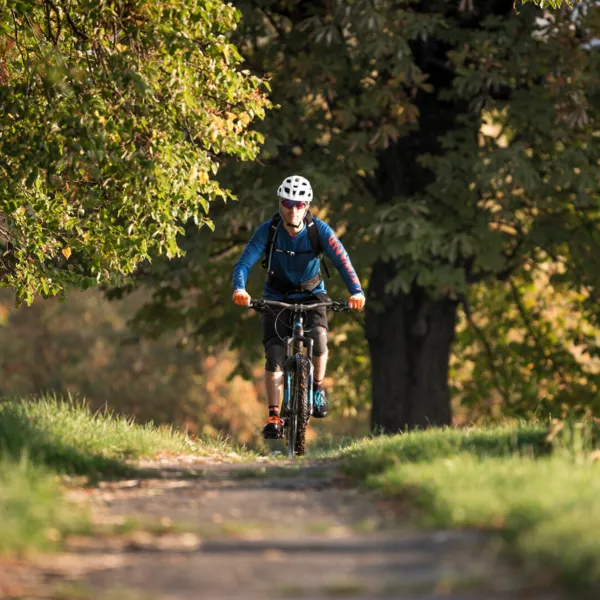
295	187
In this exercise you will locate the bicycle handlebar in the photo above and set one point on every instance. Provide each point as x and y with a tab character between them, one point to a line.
258	304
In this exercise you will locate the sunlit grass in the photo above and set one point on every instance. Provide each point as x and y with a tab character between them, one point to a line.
69	438
539	492
379	453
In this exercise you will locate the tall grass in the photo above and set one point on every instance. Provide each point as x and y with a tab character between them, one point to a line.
69	438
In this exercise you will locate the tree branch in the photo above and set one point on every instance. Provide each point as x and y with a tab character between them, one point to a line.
17	44
80	34
47	5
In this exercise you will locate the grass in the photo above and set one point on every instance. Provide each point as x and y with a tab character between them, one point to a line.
43	440
539	491
69	438
33	511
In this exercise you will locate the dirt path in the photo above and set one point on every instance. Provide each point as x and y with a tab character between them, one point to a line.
267	530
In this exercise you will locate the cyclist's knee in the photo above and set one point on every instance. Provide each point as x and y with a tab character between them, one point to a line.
319	336
274	356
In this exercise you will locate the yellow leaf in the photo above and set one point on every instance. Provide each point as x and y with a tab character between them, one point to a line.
203	177
66	252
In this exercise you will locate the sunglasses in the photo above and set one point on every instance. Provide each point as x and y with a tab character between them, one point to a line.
299	204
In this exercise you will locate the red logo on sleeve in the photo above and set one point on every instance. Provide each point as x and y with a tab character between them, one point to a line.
335	245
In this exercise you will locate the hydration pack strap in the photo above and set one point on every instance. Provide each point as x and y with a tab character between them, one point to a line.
315	243
272	235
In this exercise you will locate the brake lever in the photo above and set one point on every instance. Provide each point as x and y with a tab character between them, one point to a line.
341	306
257	305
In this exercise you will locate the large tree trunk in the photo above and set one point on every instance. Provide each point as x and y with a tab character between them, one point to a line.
410	334
409	339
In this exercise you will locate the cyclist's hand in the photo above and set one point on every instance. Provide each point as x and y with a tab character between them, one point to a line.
357	302
241	298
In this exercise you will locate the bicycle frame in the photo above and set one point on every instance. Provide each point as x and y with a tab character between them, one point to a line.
292	346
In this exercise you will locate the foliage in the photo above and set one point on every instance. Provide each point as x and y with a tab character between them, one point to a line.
113	116
520	185
544	508
554	4
525	348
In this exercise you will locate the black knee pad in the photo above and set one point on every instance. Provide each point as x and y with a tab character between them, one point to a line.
274	356
319	336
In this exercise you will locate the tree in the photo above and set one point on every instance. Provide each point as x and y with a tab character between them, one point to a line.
450	144
113	119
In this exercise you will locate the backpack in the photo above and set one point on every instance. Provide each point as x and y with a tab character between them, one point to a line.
313	236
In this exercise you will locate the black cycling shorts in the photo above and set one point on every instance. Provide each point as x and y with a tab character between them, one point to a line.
275	324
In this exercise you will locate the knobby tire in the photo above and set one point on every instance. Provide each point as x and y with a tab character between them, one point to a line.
292	419
301	401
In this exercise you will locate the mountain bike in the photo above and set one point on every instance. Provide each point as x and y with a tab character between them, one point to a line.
298	371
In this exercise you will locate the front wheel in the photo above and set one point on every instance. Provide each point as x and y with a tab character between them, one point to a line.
300	409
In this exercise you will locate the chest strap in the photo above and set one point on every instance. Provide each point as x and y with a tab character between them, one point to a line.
291	252
285	287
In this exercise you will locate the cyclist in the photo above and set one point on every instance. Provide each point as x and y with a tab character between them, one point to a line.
293	275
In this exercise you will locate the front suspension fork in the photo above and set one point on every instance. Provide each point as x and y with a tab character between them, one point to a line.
289	360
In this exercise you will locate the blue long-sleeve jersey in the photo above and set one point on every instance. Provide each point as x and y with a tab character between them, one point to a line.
296	268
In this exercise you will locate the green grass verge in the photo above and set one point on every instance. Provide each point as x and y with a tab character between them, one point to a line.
67	437
40	440
545	505
33	511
